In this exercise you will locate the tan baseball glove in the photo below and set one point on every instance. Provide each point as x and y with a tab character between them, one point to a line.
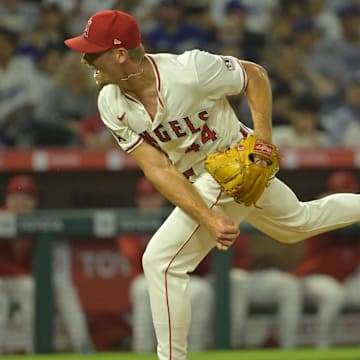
244	171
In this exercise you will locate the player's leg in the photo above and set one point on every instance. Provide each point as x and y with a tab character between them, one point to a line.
4	310
143	335
174	251
69	307
21	291
282	290
240	282
282	216
352	290
328	296
202	301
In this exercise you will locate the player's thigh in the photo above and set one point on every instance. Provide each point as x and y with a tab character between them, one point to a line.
4	302
322	288
21	291
20	286
210	191
282	216
180	240
139	288
352	290
201	290
268	286
180	243
278	212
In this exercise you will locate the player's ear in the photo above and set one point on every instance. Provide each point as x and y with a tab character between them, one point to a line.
121	55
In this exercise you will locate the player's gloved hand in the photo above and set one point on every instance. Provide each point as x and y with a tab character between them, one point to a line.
245	170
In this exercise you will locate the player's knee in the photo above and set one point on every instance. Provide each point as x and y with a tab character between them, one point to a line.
240	279
138	287
336	297
150	262
291	290
2	285
200	290
146	261
25	285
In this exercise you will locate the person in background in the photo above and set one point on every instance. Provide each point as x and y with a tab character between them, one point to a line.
233	32
328	268
49	32
261	276
149	200
19	91
69	101
17	282
94	134
347	117
172	32
304	128
342	123
19	16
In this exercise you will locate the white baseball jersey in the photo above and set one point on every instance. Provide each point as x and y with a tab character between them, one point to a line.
193	117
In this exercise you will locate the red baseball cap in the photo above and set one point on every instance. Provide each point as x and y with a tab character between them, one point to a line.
22	184
343	181
105	30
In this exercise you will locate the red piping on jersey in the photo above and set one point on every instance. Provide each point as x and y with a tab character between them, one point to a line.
156	71
245	78
128	150
243	132
130	98
166	272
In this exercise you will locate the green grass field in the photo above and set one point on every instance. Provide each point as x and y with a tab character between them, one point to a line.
304	354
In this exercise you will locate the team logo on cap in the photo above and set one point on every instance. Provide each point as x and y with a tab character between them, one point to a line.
117	42
87	28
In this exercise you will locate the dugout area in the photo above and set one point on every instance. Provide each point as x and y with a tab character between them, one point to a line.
61	191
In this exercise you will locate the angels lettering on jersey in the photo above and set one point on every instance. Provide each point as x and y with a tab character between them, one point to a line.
179	129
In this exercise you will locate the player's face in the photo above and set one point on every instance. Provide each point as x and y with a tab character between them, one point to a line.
21	202
105	65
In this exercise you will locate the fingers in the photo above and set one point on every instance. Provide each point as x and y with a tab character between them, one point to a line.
224	231
222	247
227	240
229	233
261	161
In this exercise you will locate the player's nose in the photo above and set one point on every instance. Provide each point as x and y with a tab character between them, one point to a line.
83	61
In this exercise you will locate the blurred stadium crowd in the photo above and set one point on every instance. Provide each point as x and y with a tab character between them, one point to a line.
311	50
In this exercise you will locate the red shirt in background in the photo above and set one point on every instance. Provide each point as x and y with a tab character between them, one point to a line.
15	256
330	254
241	256
132	246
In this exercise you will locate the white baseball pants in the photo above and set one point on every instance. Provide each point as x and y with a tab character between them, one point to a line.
180	244
328	295
266	287
201	299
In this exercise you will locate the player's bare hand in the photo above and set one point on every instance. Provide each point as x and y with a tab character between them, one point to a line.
223	230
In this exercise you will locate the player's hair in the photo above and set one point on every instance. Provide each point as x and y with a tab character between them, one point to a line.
137	54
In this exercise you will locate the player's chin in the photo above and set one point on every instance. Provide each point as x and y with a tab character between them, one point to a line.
101	81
